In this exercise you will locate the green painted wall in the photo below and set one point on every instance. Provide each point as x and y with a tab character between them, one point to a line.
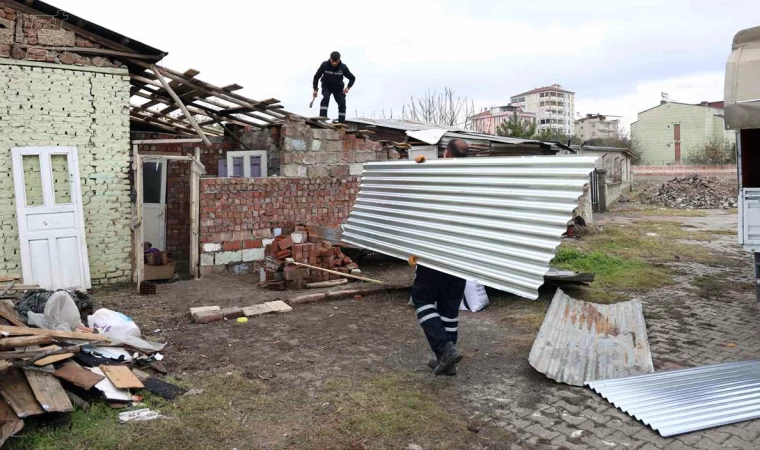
654	130
52	106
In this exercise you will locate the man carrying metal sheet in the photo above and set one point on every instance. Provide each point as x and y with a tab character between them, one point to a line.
437	296
332	72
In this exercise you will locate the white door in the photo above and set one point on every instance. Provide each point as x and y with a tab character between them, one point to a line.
50	218
154	203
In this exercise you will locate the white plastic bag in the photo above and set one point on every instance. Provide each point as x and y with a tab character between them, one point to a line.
114	324
475	297
60	313
121	329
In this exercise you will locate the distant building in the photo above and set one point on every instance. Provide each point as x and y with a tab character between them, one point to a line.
489	120
553	106
668	132
597	126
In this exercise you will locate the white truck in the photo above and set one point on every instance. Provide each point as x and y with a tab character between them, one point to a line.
742	113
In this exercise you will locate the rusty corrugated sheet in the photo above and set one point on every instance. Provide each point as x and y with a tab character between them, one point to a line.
582	341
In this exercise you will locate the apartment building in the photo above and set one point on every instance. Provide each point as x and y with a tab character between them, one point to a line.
553	106
597	126
488	121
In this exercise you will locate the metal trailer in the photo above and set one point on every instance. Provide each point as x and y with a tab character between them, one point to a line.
742	113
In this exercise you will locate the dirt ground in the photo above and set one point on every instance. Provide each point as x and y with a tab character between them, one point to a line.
351	374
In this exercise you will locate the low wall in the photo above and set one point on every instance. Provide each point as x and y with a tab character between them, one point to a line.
238	215
615	191
585	209
678	170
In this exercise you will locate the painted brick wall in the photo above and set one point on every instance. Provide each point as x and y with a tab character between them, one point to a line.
237	215
178	188
50	106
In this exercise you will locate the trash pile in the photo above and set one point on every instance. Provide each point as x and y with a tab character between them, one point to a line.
693	192
298	260
51	362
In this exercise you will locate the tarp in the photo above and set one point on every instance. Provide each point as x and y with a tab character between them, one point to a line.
742	89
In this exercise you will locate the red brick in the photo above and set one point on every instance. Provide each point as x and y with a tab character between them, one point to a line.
231	246
252	243
208	317
304	299
286	242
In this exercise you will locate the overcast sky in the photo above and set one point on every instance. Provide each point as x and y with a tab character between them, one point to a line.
617	56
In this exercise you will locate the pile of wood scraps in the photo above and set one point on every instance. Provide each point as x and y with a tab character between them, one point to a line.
10	284
53	371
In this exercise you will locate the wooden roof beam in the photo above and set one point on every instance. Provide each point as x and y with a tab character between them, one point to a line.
179	103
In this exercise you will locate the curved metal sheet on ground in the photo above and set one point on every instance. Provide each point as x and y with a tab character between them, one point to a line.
681	401
582	341
496	221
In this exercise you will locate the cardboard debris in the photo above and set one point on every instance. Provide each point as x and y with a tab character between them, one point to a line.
110	392
139	415
122	377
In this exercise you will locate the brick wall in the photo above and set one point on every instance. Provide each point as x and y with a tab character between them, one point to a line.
680	171
178	187
238	215
42	31
62	106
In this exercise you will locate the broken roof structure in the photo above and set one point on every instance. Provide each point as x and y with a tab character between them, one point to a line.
421	133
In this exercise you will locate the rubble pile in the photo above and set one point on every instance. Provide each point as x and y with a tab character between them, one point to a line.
693	192
51	362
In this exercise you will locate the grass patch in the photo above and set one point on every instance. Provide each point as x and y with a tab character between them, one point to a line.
725	232
716	286
615	276
213	419
661	212
387	411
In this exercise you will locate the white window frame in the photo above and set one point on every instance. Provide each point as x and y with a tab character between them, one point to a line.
247	155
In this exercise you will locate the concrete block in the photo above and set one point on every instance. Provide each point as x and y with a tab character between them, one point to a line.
232	313
266	308
316	144
310	298
299	237
254	254
223	258
297	145
318	171
207	259
293	170
355	169
206	314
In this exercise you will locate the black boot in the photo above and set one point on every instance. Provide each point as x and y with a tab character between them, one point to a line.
433	363
449	358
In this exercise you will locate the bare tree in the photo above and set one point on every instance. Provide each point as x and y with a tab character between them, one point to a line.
440	108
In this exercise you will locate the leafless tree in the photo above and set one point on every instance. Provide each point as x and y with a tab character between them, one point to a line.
440	108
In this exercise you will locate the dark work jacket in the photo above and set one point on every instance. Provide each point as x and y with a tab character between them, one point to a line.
332	77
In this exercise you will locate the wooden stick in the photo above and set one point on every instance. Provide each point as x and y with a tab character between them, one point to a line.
330	283
292	261
7	288
194	214
39	354
95	51
24	287
19	331
25	341
179	103
4	278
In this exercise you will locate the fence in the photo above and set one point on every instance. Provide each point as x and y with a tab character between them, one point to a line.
679	170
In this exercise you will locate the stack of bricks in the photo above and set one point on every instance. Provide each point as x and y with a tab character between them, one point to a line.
39	33
318	254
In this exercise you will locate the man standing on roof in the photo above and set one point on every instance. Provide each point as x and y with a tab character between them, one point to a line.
436	297
332	72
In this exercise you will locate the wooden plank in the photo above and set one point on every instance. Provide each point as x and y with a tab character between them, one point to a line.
5	278
168	141
16	391
7	288
110	392
122	377
24	287
78	375
8	313
53	359
194	214
179	103
36	352
48	391
95	51
139	229
10	423
25	341
58	334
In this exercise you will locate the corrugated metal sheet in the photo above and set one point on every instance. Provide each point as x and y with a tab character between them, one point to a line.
582	341
682	401
496	221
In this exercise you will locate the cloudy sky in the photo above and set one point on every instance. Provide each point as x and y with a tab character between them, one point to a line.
617	56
